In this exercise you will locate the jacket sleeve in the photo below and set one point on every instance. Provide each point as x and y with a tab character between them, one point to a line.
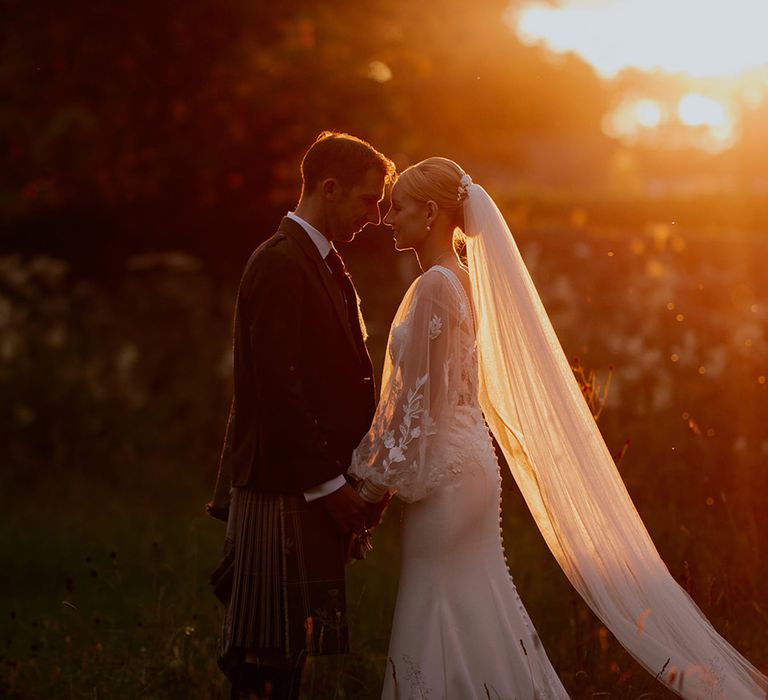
407	448
275	311
218	506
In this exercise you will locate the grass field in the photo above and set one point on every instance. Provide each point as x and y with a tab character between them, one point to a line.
106	601
113	407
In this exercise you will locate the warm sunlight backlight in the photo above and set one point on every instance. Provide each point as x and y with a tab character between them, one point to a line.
698	110
709	115
692	120
632	118
702	38
647	113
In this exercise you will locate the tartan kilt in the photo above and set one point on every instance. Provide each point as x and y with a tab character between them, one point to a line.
288	596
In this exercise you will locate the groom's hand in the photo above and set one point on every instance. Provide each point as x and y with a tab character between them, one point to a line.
346	508
374	511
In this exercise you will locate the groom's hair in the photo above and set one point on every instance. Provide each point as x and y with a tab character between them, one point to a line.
343	157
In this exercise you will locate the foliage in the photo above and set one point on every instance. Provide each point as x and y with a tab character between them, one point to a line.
93	383
172	123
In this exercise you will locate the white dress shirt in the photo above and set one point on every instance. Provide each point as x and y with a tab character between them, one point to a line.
324	247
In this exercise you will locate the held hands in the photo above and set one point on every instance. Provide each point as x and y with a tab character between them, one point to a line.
347	509
374	511
355	517
360	542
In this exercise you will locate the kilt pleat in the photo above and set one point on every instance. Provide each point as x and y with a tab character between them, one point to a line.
255	617
288	586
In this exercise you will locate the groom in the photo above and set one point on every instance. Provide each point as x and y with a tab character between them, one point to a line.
303	399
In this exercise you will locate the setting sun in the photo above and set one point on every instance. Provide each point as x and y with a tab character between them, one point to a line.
701	39
713	53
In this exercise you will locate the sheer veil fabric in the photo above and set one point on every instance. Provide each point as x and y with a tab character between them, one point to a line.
559	460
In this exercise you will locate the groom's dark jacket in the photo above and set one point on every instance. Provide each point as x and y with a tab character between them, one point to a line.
304	390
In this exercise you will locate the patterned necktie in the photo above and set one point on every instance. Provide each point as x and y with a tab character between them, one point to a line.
339	272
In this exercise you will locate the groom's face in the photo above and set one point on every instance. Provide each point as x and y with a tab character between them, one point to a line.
351	208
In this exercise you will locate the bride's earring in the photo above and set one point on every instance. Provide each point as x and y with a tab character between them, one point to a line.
429	227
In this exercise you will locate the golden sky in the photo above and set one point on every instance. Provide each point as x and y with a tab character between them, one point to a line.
702	38
719	46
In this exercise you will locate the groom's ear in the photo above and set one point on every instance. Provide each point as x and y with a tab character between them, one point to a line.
329	187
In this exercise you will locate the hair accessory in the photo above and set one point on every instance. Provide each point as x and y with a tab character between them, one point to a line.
464	185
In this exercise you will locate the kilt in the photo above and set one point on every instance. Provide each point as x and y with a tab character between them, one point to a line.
288	597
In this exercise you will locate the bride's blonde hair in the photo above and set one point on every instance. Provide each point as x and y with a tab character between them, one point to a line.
437	179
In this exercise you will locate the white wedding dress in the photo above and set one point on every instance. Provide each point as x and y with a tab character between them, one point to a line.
460	630
459	627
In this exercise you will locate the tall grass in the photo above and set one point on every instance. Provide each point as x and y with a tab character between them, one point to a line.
113	404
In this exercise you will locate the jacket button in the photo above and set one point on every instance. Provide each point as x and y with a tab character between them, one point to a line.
291	369
366	379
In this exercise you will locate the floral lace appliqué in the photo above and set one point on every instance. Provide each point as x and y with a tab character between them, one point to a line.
435	326
412	412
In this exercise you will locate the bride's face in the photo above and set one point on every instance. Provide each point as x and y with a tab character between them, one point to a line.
408	219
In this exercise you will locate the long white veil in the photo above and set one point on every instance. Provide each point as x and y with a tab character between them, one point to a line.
536	410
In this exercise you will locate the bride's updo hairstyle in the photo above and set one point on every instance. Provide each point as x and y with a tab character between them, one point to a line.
437	179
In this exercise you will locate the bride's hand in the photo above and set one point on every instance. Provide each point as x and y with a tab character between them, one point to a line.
374	511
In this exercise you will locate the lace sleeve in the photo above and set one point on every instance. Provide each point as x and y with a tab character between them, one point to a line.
401	450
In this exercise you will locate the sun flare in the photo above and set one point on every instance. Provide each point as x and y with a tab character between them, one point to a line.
647	113
699	110
691	120
702	39
716	51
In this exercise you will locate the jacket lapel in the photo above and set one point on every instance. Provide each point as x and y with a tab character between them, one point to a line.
294	231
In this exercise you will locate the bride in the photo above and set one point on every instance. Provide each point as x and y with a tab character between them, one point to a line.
470	345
